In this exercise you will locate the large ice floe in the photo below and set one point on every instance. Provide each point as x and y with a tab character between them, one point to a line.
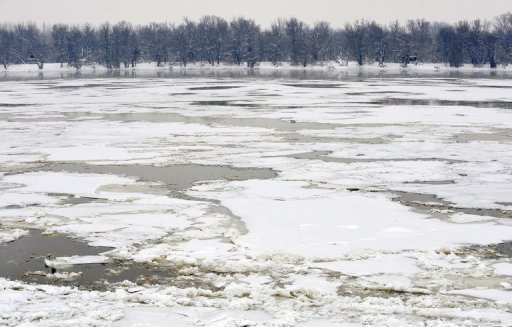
256	201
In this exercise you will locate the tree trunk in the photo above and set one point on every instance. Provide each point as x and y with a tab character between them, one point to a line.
492	63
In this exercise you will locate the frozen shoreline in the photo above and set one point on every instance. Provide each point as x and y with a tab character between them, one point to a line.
263	66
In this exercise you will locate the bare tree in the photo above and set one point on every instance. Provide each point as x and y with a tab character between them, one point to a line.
489	40
275	42
320	41
155	38
356	35
184	45
378	41
243	44
180	44
105	54
296	32
75	50
417	40
474	43
212	35
59	41
213	40
7	44
121	44
90	44
32	45
503	28
450	46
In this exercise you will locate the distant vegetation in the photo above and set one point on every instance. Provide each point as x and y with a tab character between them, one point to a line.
213	40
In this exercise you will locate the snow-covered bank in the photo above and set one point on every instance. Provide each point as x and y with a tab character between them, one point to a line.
391	68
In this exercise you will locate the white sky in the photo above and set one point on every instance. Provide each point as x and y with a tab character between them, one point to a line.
337	12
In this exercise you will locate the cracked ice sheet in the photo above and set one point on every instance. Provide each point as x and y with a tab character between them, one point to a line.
187	317
60	182
77	260
125	223
140	141
13	198
498	295
51	305
292	217
115	142
474	184
381	264
54	306
12	235
130	218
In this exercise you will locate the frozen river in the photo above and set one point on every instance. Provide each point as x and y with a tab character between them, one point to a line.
234	200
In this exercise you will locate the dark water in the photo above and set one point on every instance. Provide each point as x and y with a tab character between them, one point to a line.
323	156
23	259
440	102
176	177
156	117
423	203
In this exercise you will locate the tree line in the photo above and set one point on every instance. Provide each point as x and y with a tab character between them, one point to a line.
212	40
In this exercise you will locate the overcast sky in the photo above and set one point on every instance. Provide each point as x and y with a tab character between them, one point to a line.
337	12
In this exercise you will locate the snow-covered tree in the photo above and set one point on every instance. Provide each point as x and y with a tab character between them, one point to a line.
244	41
297	34
320	41
356	38
212	36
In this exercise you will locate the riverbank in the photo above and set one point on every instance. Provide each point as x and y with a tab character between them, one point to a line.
326	66
325	71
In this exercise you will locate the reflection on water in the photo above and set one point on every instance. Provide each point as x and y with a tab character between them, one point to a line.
353	74
441	102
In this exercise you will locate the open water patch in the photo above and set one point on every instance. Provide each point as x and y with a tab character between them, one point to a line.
441	102
176	177
26	259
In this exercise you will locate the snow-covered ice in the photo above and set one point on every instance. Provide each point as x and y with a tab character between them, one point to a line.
390	206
